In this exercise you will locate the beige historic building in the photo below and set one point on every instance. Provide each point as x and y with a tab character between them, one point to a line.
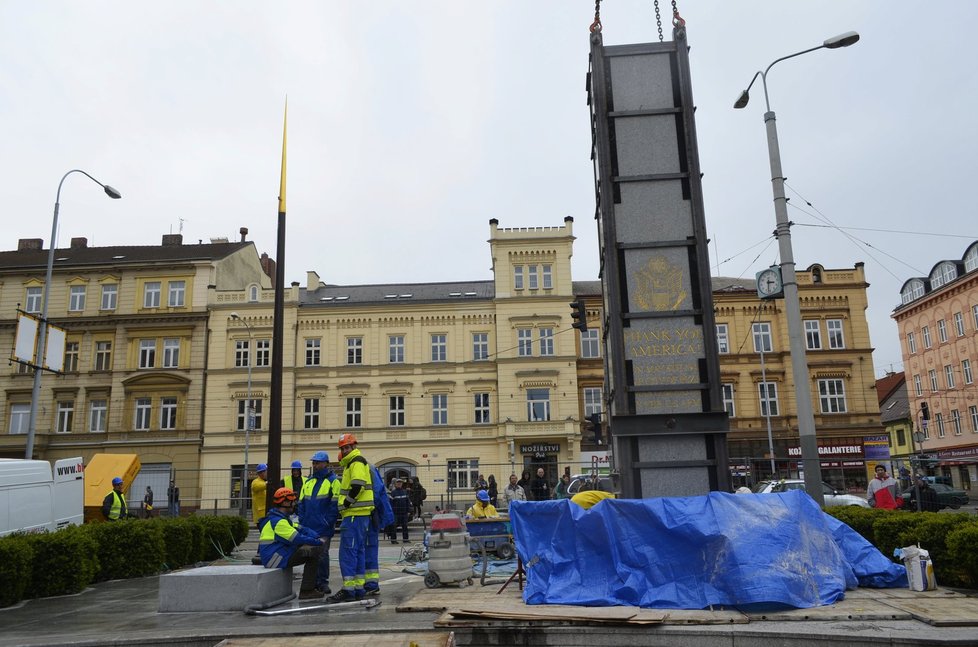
938	323
839	354
134	378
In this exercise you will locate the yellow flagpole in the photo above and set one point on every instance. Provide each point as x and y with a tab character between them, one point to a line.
281	186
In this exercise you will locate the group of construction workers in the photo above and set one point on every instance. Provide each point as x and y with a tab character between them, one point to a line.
300	526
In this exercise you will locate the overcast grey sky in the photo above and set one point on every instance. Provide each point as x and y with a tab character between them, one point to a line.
411	124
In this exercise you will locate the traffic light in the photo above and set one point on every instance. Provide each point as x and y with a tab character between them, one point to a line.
594	425
579	315
924	411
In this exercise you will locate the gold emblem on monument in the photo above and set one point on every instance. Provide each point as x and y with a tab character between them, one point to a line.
659	286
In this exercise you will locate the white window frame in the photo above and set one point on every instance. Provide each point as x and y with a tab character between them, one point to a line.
72	353
396	415
517	277
546	342
152	291
767	393
949	375
241	419
242	352
974	315
918	387
354	351
538	404
76	298
32	300
932	377
524	342
395	349
439	347
313	351
439	409
959	324
168	413
103	355
969	377
532	280
761	332
973	412
911	343
480	346
835	333
729	403
354	412
142	414
593	400
20	418
590	344
263	352
939	421
832	396
547	276
925	334
481	412
65	416
813	334
463	473
723	338
942	331
98	415
310	414
147	353
956	422
171	352
176	294
110	296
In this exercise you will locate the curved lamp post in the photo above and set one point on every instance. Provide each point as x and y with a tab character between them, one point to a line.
248	415
799	363
43	328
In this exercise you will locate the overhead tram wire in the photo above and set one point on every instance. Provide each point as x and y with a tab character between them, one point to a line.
766	239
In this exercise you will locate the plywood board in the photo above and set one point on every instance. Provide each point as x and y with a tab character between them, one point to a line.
958	611
938	593
419	638
848	609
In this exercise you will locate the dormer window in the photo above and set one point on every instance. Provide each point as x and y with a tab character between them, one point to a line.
914	289
943	274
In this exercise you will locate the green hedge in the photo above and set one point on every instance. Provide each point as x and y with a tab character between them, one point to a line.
69	560
962	543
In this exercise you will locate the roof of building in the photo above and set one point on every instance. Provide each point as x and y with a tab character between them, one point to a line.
886	385
118	255
896	406
380	293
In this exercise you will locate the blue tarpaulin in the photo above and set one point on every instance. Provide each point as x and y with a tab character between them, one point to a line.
693	552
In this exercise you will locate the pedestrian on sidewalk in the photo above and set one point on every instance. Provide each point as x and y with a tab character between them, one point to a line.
148	503
513	492
882	490
284	544
540	488
318	512
418	495
173	499
493	490
356	505
401	504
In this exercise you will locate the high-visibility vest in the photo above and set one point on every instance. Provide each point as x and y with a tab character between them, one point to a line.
118	505
356	471
276	554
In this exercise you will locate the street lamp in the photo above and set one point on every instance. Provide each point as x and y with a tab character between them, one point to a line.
43	328
249	416
799	364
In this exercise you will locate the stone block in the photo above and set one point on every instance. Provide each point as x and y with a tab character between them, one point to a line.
223	588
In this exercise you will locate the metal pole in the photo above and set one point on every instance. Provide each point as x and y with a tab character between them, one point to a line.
792	306
767	414
249	416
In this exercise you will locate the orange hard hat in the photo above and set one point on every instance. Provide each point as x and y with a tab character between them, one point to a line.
283	495
346	439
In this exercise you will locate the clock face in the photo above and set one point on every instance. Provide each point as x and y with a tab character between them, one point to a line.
768	282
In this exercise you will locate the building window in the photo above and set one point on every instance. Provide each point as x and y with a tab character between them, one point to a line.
768	394
263	352
524	341
537	405
727	392
925	333
932	374
168	413
20	415
813	334
253	294
178	290
354	350
973	412
974	315
832	396
956	422
723	338
942	331
110	296
241	352
911	343
76	298
32	302
548	280
959	324
439	348
71	357
966	371
834	330
103	356
480	346
171	353
66	416
939	421
482	409
98	413
151	294
242	418
439	409
311	417
147	353
546	342
144	407
949	376
762	337
354	412
517	277
396	410
312	352
395	349
592	400
918	388
463	474
531	274
943	274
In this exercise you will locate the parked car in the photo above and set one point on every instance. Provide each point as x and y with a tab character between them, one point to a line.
578	484
950	497
832	496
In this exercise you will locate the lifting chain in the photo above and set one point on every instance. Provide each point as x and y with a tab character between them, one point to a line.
596	25
677	20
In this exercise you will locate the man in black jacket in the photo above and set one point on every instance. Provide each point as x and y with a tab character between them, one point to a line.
540	488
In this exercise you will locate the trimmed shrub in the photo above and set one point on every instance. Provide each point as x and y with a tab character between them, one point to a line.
239	530
932	535
63	562
16	557
962	548
178	541
859	519
130	548
891	529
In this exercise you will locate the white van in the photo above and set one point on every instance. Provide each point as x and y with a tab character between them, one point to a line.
33	498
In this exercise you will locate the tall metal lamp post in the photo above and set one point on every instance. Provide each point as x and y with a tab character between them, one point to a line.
43	328
799	363
249	414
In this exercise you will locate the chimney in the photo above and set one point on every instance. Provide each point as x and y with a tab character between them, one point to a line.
79	243
30	244
312	281
172	240
244	234
268	266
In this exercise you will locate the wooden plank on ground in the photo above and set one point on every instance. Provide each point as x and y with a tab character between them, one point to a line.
848	609
443	598
913	595
957	611
419	638
545	612
703	617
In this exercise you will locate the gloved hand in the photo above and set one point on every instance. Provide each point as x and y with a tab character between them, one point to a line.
347	503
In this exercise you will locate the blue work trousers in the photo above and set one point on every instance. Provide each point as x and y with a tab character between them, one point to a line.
372	558
353	552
